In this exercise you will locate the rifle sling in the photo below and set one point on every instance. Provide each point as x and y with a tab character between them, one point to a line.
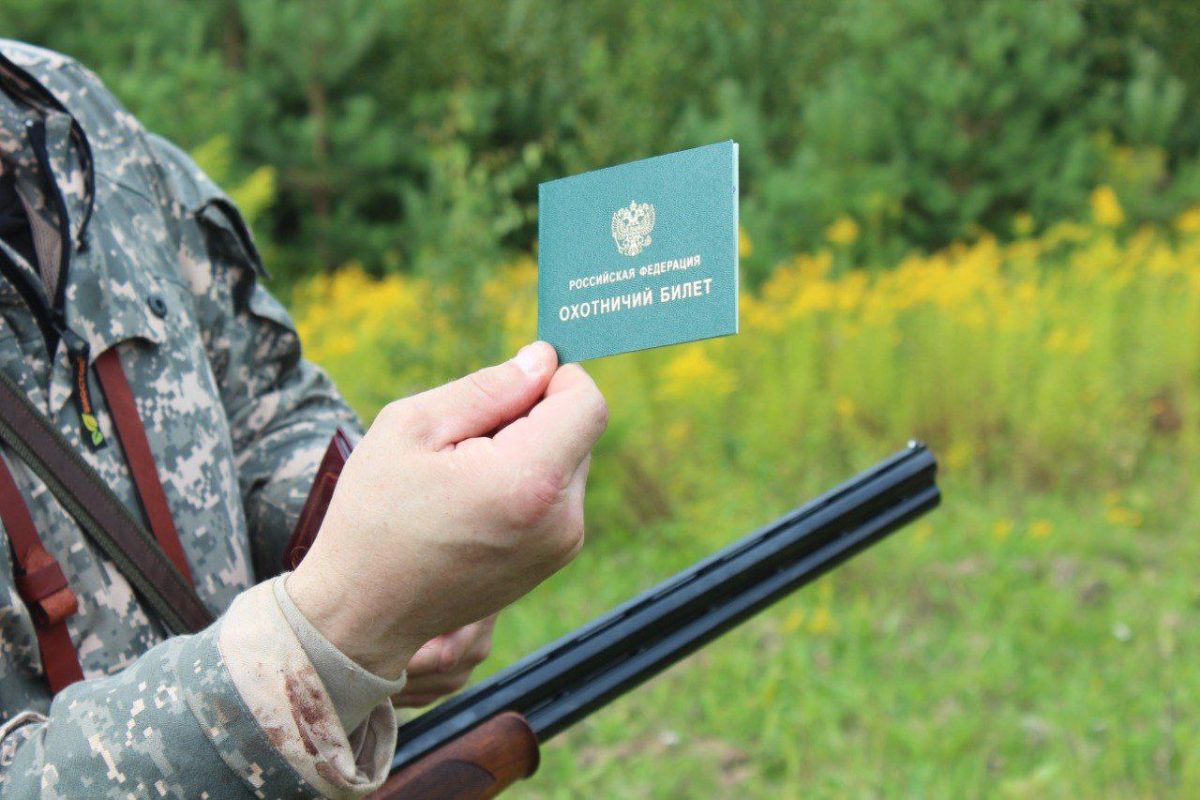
42	586
139	458
86	497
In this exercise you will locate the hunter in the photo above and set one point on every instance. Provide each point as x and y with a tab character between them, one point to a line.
135	324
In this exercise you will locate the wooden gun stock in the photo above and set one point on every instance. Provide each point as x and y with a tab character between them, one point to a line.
478	765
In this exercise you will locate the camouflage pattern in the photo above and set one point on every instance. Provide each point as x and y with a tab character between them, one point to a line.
162	268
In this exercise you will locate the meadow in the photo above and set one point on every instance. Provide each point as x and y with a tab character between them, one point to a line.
1034	637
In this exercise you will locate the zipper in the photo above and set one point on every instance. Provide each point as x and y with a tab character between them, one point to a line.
50	316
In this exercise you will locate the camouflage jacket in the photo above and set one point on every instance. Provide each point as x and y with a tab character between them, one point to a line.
163	269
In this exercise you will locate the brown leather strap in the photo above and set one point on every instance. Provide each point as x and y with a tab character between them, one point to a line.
42	579
138	456
42	586
60	659
119	534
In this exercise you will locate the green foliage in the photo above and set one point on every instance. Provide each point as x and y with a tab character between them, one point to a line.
1064	361
941	119
253	194
411	136
162	59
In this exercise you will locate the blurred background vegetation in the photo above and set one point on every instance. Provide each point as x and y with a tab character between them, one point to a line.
974	222
412	136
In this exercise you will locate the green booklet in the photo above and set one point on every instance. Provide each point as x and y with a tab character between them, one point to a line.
640	255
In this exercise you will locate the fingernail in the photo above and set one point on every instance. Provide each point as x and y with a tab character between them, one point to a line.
529	361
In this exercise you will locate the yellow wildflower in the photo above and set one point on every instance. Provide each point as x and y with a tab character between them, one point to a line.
1001	529
793	621
1061	340
1040	528
821	622
692	372
1123	517
745	246
1188	221
1106	208
843	231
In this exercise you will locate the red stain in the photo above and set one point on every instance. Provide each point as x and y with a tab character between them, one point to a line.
308	710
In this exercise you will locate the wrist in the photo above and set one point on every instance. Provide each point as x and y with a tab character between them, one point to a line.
353	625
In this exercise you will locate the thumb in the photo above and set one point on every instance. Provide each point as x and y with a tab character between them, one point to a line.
479	403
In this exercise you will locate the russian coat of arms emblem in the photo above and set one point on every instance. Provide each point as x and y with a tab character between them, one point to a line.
631	226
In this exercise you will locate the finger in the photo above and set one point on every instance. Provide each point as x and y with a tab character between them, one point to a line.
415	701
481	646
455	647
484	400
438	684
427	659
559	431
468	645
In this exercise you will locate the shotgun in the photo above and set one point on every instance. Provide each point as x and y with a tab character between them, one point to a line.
478	743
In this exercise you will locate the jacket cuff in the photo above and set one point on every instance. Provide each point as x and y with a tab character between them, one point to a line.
353	690
287	699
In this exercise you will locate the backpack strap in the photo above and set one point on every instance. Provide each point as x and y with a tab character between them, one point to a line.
140	459
42	586
83	493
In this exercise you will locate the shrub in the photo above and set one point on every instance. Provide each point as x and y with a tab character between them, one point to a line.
1066	361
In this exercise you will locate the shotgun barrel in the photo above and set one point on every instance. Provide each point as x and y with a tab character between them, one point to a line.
586	669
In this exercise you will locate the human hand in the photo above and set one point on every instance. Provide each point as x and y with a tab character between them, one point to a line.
457	501
444	664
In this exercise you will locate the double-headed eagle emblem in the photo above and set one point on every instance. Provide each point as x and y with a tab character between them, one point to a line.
631	227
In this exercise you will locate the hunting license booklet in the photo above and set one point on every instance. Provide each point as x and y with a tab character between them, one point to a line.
640	255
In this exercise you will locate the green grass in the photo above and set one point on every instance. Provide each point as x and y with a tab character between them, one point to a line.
1035	637
964	657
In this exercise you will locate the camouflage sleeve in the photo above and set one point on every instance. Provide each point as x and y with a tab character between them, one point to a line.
201	716
282	409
